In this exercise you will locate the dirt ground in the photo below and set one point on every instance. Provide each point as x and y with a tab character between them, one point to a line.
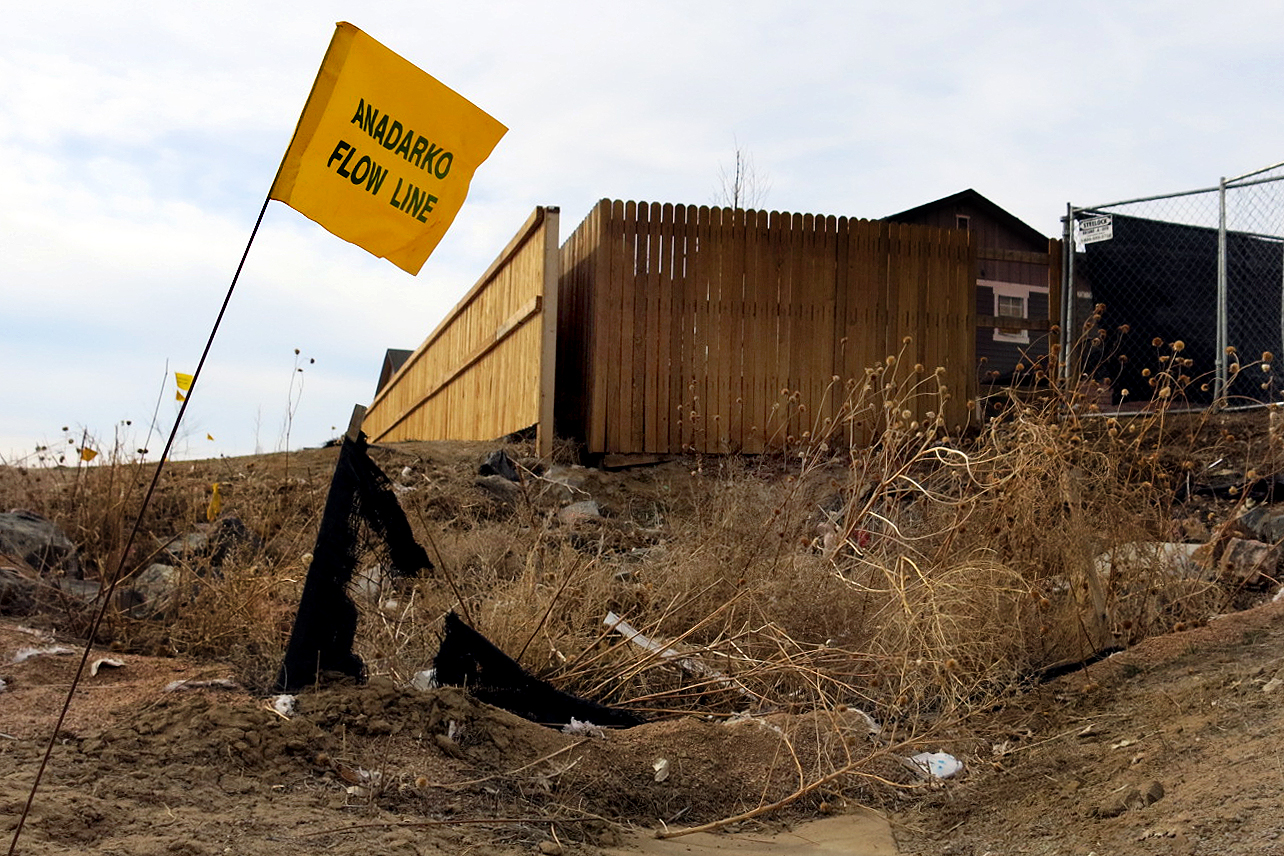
1172	746
143	767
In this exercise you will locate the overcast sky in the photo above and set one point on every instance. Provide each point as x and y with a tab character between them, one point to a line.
138	141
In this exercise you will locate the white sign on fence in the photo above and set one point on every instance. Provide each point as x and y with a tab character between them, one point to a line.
1096	229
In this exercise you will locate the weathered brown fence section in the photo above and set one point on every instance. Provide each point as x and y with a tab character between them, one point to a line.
487	370
724	330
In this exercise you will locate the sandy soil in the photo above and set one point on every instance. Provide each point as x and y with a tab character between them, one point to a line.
141	768
1170	747
1173	746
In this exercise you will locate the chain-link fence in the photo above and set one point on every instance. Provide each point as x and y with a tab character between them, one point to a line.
1182	292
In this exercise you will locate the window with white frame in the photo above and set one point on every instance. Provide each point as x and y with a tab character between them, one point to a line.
1012	300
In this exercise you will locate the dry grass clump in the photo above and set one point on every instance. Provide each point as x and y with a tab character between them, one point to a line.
883	560
233	533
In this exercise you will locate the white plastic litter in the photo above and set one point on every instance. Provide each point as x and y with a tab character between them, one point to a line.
691	664
425	680
25	654
661	767
284	705
105	662
214	684
584	729
938	765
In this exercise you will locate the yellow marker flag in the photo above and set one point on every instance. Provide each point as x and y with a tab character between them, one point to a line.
216	505
209	437
87	454
178	396
184	381
384	153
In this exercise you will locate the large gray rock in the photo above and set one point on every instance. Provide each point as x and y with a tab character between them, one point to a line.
501	489
151	593
38	543
585	509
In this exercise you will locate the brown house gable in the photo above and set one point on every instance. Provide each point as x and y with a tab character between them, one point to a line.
1016	276
992	227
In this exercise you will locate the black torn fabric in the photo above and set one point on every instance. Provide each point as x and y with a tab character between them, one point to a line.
362	517
470	660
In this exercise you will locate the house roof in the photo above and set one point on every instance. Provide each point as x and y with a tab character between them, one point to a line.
393	360
974	200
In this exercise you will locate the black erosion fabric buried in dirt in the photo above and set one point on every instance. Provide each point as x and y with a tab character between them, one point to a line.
326	623
468	659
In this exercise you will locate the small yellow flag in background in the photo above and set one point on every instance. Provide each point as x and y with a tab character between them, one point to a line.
384	153
209	437
184	381
178	396
87	454
216	504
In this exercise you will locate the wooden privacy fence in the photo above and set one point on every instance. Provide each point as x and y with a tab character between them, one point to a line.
487	370
721	330
660	328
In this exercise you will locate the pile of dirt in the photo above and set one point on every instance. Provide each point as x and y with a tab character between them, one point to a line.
144	767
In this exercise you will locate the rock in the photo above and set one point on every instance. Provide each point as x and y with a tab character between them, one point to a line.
17	593
213	542
189	545
584	510
152	592
498	463
573	478
38	543
1182	560
85	591
500	488
1248	563
1263	523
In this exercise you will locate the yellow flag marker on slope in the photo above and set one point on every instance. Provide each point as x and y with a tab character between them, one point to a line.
184	381
384	153
87	454
216	504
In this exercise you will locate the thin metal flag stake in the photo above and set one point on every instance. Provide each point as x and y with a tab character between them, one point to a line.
133	533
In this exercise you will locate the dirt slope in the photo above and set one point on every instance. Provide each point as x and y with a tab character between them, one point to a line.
1173	746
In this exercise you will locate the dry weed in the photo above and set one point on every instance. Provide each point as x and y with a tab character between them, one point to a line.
882	561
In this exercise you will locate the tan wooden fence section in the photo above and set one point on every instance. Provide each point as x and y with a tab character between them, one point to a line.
488	368
722	330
